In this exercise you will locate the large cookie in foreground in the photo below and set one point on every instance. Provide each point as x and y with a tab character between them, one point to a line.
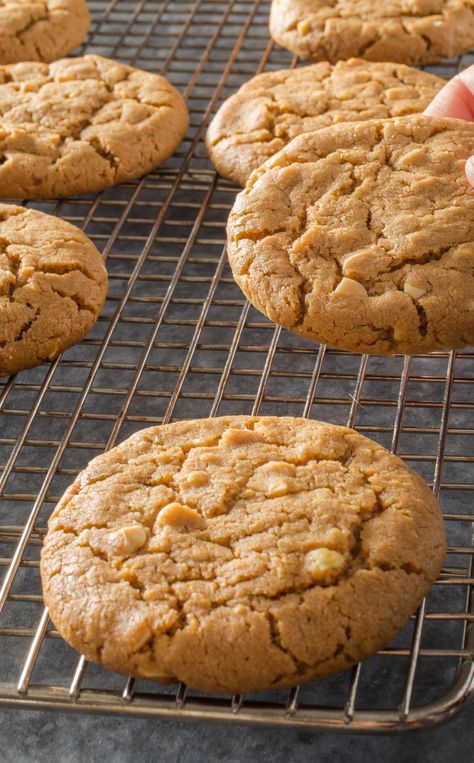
273	108
362	236
41	30
83	124
52	287
240	553
408	31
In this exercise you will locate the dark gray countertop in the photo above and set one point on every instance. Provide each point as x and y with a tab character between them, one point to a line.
29	737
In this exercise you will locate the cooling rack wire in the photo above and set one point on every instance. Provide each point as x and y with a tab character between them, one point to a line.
177	340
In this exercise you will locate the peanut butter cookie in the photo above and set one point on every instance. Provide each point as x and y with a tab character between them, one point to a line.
83	124
52	287
361	235
273	108
408	31
41	30
240	553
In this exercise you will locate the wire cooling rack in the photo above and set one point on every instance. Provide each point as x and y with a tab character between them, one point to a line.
177	340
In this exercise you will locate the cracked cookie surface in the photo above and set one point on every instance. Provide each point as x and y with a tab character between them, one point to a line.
408	31
239	553
273	108
361	236
41	30
52	287
81	125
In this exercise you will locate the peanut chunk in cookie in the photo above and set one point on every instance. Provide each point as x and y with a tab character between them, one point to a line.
359	263
179	516
277	489
281	467
127	540
413	291
350	288
303	27
233	437
198	478
272	479
324	564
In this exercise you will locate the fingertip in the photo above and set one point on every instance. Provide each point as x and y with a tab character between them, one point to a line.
470	170
446	101
467	78
453	100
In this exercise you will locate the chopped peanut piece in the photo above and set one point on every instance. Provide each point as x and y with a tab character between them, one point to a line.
303	27
272	478
397	93
413	291
165	458
360	263
179	516
350	288
281	467
127	540
197	478
277	489
239	437
413	157
29	87
323	563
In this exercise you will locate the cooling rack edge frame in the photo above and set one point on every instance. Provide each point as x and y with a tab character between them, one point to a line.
92	701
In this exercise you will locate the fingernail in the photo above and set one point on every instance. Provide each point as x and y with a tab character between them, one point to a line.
467	78
449	102
470	170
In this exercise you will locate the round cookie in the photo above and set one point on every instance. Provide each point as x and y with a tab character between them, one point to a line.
361	236
52	287
273	108
41	30
238	553
81	125
408	31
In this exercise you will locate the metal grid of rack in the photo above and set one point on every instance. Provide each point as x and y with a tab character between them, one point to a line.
177	340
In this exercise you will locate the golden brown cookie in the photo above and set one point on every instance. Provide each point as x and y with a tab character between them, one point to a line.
83	124
52	287
41	30
240	553
361	236
408	31
273	108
